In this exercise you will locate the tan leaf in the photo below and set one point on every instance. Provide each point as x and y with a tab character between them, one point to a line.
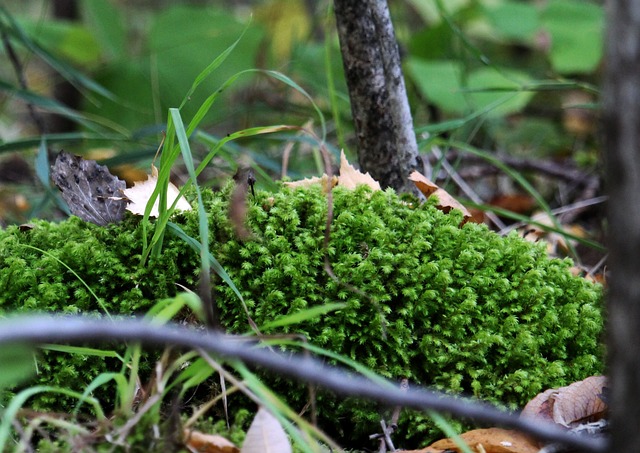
490	440
308	182
208	443
445	201
139	195
350	177
266	435
578	403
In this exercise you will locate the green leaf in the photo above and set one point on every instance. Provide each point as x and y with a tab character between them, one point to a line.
576	31
107	26
514	20
490	85
72	41
17	363
183	39
443	83
439	81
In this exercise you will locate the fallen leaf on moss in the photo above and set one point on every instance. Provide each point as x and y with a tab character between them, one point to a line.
139	195
350	177
208	443
308	182
445	201
92	193
266	435
490	440
578	403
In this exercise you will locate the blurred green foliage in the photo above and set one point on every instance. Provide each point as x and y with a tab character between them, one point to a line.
497	59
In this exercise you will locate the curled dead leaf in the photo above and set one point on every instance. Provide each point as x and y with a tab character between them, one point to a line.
308	182
579	403
349	178
445	201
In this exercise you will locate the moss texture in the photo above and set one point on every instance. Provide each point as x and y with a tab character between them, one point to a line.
456	308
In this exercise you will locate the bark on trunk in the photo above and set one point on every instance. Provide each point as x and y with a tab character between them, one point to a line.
621	122
387	145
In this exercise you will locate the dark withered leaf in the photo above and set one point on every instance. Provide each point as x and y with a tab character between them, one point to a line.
92	193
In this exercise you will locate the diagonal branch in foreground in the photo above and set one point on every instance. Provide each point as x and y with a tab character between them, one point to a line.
77	329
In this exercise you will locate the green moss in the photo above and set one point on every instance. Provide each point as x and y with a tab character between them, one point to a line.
455	308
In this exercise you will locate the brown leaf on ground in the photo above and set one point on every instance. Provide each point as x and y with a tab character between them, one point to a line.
490	440
445	201
578	403
350	177
516	202
208	443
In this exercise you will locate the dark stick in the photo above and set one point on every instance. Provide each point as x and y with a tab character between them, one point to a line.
621	132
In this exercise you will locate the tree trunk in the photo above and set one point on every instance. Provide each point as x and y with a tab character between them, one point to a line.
621	122
387	145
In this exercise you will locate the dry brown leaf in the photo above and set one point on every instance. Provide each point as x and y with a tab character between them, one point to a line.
556	243
445	201
540	407
519	203
139	195
350	177
423	184
578	403
490	440
90	190
208	443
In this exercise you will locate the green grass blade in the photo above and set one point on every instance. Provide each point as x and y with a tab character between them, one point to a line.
281	411
81	350
303	315
10	412
212	66
203	224
178	232
449	431
99	381
165	310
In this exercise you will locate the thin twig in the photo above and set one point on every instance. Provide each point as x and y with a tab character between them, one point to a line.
78	329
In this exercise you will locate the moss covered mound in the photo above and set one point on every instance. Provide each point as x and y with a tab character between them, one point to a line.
457	308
